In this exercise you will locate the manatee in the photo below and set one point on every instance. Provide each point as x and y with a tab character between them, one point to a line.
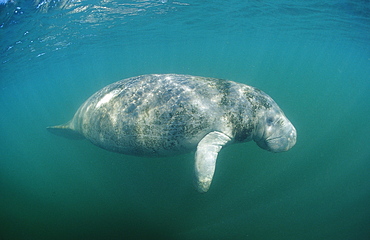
168	114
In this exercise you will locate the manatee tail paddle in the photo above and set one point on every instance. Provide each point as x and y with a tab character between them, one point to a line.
65	131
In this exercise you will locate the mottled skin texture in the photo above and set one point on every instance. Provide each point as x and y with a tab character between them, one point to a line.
159	115
168	114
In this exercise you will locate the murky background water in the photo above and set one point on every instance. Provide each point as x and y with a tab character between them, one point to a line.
312	57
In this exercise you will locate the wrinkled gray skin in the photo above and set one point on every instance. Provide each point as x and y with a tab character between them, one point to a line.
169	114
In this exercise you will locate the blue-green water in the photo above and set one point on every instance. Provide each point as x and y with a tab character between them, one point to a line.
312	57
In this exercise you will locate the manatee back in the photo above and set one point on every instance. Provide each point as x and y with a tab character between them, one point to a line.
151	114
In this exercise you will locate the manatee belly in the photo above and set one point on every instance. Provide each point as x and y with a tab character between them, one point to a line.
154	132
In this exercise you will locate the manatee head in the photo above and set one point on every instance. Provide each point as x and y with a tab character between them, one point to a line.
273	131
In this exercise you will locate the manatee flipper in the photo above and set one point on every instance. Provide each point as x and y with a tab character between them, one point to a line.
205	158
65	130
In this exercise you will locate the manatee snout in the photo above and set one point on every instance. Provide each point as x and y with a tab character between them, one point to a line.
281	141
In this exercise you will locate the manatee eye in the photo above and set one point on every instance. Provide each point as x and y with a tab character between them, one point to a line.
269	121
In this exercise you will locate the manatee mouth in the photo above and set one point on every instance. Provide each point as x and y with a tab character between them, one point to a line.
276	144
279	143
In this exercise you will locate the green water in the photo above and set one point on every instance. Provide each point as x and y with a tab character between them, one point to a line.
312	58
